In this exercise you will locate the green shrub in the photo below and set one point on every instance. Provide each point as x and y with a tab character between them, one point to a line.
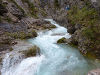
56	4
34	33
8	19
50	26
32	8
88	32
84	16
62	40
88	18
43	13
32	51
11	49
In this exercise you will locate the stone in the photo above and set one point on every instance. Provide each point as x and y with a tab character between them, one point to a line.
94	72
62	40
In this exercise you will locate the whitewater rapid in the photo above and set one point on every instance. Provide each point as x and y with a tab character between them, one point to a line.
55	59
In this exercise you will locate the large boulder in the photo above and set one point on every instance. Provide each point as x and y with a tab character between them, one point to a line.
33	51
94	72
62	40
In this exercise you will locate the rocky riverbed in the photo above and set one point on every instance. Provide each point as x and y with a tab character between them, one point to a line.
22	19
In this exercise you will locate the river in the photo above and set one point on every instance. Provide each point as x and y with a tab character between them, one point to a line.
55	59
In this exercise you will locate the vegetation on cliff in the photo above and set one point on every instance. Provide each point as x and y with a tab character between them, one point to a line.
32	51
62	40
33	10
88	21
56	3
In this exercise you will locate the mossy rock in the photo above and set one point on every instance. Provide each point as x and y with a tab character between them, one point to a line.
52	26
11	49
49	26
34	33
33	10
62	40
32	51
90	55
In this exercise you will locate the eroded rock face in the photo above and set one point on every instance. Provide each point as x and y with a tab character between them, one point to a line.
94	72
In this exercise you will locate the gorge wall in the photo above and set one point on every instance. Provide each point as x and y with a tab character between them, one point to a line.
21	19
82	20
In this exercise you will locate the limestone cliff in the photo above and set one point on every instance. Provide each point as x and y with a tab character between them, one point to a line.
82	20
20	19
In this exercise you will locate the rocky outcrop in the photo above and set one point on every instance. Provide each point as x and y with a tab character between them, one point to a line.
84	30
62	40
24	16
21	19
94	72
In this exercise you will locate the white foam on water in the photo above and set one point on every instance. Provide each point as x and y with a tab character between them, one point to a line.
56	59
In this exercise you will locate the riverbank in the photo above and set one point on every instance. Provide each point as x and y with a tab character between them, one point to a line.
21	19
82	22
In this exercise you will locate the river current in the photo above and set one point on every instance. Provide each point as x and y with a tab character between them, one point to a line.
55	59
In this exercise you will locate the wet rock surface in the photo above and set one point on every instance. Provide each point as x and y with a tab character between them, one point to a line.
94	72
17	17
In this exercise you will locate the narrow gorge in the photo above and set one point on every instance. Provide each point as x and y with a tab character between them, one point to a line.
49	37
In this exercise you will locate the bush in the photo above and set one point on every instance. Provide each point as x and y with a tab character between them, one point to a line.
62	40
88	18
43	13
49	26
56	3
88	32
18	6
85	16
32	51
32	8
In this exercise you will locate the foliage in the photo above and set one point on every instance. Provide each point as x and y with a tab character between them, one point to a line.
43	13
32	51
18	6
8	19
88	18
32	8
88	32
84	16
62	40
56	3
